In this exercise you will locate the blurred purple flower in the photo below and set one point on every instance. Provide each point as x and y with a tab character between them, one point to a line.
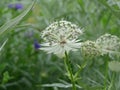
17	6
36	45
10	5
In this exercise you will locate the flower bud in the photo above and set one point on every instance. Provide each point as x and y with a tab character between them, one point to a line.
90	49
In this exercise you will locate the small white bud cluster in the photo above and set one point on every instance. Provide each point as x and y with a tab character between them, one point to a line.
105	44
90	49
108	43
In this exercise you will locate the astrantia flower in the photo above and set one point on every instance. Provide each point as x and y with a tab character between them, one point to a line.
90	49
109	44
61	36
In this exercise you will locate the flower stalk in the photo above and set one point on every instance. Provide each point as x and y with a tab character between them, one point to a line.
106	72
69	70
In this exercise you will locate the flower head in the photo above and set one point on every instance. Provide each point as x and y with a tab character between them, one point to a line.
90	49
108	43
61	36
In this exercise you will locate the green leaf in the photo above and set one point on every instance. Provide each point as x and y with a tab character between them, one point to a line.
13	22
2	67
116	13
59	85
6	77
3	44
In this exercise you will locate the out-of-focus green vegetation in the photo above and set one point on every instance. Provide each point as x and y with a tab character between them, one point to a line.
24	67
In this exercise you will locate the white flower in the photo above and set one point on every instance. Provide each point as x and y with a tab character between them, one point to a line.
90	49
109	44
61	36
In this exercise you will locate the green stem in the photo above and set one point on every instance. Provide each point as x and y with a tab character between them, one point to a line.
69	70
112	81
81	67
106	73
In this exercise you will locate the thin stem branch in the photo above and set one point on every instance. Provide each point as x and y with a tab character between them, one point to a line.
69	70
106	73
112	81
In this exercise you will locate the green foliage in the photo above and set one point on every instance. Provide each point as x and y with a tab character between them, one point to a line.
16	20
6	77
23	67
13	22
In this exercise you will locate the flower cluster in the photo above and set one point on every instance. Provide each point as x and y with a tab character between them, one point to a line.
90	49
108	44
105	44
61	36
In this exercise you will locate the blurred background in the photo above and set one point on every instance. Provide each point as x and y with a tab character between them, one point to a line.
24	67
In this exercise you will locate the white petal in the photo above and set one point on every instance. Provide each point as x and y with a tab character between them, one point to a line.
74	44
45	44
60	52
